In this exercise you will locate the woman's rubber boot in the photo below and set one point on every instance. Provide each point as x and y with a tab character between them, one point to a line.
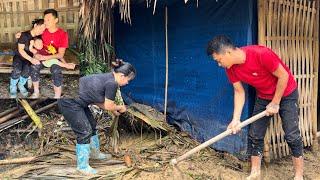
95	149
22	89
13	87
83	152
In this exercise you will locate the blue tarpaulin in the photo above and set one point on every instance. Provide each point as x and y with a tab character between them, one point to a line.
200	97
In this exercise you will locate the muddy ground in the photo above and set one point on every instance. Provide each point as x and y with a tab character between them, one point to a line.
150	154
70	86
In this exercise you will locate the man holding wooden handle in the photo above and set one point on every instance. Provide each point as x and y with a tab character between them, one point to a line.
276	91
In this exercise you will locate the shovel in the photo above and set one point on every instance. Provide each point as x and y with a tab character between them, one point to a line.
216	138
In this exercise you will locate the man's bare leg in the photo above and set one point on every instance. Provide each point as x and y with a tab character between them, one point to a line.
36	92
57	92
298	167
255	168
67	65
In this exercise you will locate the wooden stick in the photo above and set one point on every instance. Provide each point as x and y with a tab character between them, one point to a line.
217	138
8	111
12	122
15	113
17	160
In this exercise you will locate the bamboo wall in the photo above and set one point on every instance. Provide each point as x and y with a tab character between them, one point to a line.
17	15
291	29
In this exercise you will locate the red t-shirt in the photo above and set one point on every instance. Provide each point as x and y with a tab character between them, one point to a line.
58	39
257	71
43	52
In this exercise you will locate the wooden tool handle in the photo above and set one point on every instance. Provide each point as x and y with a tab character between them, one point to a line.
217	138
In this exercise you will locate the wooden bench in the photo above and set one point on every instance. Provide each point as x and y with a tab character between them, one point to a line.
70	57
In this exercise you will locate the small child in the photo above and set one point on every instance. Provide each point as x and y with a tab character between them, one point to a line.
36	47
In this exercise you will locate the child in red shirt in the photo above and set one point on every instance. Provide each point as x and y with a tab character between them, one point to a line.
36	47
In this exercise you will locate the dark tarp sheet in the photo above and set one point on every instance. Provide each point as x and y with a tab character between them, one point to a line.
200	97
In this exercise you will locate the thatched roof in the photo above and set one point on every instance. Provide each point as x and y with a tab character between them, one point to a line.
124	6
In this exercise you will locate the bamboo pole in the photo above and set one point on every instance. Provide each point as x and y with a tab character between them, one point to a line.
307	49
261	21
167	63
262	41
286	49
316	66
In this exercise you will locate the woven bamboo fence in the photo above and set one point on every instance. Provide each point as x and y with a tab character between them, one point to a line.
17	15
291	29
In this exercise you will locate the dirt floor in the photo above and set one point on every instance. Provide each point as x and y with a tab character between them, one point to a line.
70	86
149	150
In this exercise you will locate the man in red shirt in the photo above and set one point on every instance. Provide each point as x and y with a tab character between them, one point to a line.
276	91
55	40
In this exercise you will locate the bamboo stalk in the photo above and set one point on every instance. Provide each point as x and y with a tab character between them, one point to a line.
286	48
316	66
262	41
308	79
167	63
35	118
302	71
